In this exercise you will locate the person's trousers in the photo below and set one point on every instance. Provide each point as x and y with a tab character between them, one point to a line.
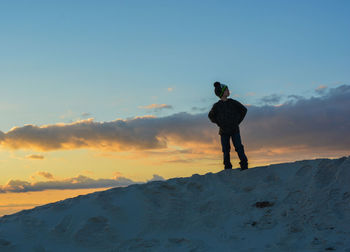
226	147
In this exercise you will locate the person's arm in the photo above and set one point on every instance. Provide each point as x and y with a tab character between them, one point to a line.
212	115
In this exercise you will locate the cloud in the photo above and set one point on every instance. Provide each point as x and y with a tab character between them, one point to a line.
321	89
84	115
156	178
79	182
197	109
45	174
2	136
145	116
181	161
34	156
118	135
305	124
157	107
314	123
271	99
140	134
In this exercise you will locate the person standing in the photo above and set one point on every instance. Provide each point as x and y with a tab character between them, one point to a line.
228	113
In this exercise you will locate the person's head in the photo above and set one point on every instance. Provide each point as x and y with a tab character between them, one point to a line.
221	90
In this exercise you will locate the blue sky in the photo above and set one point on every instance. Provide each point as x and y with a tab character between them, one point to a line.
60	59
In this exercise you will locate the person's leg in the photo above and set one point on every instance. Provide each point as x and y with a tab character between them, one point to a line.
237	143
225	143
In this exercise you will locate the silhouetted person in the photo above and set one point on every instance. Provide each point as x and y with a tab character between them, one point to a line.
228	114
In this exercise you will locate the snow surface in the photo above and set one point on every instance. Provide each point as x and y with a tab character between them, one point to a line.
300	206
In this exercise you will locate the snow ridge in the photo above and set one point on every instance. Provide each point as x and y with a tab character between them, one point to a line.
300	206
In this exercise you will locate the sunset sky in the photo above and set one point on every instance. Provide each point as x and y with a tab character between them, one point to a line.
97	94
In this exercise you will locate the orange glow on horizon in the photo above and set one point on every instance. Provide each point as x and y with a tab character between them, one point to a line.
14	202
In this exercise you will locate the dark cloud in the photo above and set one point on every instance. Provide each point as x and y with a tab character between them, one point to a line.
317	122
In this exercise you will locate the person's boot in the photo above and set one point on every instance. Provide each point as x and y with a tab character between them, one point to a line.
244	165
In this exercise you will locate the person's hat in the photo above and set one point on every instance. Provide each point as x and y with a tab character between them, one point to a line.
219	89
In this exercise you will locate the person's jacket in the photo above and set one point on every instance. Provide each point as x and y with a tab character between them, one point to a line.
227	115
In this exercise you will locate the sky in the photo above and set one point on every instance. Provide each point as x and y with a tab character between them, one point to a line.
96	94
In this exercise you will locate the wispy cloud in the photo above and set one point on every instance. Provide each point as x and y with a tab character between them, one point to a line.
35	157
271	99
145	116
45	174
85	115
157	107
197	109
321	89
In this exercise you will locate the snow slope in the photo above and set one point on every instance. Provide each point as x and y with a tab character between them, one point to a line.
300	206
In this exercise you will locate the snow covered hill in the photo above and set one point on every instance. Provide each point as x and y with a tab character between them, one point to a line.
300	206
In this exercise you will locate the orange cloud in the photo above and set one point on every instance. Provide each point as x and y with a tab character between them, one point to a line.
33	156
